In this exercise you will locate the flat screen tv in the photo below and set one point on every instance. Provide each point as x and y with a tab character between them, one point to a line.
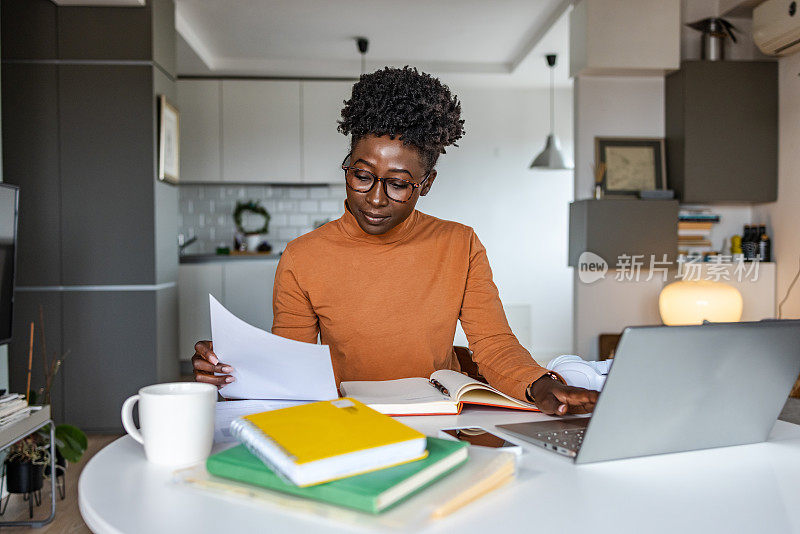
8	249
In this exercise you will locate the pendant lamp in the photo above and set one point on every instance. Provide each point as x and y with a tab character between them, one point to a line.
551	157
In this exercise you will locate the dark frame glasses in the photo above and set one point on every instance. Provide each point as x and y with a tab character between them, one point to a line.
375	178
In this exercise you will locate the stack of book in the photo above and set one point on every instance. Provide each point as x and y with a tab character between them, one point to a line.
341	452
694	232
13	407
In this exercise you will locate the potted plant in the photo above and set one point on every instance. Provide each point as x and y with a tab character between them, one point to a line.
252	224
25	464
71	442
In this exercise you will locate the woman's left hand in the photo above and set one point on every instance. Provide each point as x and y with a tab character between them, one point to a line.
554	398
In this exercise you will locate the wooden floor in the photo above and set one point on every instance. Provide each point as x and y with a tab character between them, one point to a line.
68	517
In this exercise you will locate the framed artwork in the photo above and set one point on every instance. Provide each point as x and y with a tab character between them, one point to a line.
168	141
631	164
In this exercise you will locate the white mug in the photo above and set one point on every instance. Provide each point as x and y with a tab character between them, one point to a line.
177	422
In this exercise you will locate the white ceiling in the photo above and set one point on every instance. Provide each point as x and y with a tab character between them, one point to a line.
465	41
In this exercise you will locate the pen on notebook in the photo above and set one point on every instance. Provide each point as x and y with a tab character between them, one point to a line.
438	385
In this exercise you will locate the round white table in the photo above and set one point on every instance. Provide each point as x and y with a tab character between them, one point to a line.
749	488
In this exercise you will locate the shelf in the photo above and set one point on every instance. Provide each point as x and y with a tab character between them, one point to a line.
16	431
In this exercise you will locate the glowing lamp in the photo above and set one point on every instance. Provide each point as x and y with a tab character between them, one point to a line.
692	302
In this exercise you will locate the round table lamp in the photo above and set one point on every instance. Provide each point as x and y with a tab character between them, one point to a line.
692	302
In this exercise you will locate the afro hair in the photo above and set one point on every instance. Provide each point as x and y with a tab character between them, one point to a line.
412	105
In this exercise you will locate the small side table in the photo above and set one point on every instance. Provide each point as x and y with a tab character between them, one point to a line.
15	432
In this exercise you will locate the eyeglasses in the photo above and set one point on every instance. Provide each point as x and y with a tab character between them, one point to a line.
362	181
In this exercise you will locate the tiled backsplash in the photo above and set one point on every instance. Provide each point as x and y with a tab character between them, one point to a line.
206	211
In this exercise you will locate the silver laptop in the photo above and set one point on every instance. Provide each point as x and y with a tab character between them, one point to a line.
681	388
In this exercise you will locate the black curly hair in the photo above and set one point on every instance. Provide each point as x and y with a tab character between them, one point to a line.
407	103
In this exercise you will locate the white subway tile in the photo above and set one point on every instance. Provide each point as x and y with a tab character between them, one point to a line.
318	193
298	193
287	205
288	233
298	219
279	219
331	206
309	206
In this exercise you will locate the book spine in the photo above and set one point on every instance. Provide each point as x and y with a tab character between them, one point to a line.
260	445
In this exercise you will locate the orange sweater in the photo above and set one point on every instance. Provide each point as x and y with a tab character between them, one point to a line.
387	305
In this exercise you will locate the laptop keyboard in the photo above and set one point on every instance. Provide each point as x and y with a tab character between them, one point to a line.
569	439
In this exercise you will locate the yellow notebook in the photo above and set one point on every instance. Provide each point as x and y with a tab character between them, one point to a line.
323	441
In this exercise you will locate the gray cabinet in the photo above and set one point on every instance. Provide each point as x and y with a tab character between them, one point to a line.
324	147
31	160
261	131
722	131
243	286
611	228
200	151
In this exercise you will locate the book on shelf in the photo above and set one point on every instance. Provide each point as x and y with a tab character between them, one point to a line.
13	407
445	392
695	225
697	234
371	492
694	242
323	441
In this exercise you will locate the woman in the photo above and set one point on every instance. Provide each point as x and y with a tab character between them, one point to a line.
385	285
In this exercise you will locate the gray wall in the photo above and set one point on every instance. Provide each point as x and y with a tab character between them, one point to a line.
98	231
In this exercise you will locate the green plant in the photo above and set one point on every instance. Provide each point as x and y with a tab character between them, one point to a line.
29	450
255	207
71	442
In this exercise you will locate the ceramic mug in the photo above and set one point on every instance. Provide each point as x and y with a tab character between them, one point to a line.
177	422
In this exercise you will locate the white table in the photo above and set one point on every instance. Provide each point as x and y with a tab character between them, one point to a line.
750	488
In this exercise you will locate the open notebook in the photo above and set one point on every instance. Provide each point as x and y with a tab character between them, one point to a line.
443	393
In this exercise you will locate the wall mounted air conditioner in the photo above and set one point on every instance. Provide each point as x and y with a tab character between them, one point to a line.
776	27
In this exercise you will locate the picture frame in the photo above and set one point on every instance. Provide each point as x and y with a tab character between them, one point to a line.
631	164
168	141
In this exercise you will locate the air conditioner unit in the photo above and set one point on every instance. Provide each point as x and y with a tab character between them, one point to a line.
776	27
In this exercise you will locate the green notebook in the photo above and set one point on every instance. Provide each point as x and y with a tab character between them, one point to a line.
371	492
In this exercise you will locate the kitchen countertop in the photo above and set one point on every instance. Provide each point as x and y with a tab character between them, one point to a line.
210	258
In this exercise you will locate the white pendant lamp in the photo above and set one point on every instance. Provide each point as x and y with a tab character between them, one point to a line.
551	157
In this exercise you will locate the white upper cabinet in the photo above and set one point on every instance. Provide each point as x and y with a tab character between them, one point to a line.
625	37
198	102
324	147
261	131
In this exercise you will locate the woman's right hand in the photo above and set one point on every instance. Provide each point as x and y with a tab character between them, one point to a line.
205	363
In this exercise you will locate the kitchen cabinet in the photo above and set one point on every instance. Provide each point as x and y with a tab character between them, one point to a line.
247	290
195	283
200	150
324	147
243	286
624	37
261	131
611	228
721	123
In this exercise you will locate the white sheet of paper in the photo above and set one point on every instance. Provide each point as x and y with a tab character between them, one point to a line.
268	366
227	411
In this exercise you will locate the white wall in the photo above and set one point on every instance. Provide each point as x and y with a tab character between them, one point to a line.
619	106
519	215
781	216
